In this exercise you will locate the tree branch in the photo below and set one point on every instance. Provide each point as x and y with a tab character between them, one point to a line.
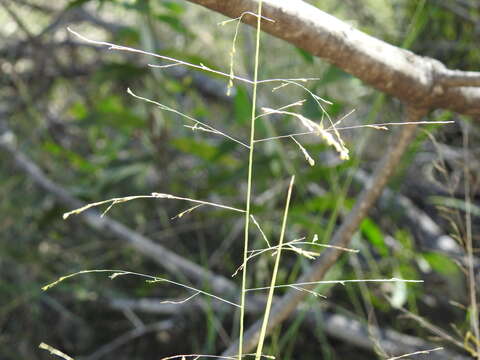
335	325
411	78
459	78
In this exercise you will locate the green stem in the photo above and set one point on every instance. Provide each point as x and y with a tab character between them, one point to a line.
249	183
263	330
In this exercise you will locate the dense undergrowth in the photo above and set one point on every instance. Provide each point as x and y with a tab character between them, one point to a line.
98	142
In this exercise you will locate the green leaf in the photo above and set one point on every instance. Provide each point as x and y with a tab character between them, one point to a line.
333	74
78	110
305	55
211	154
373	234
405	239
174	7
441	263
324	203
453	203
120	173
139	5
76	3
124	71
173	22
242	106
75	160
112	111
313	111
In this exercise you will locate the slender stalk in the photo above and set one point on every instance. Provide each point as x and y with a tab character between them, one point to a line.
249	183
469	245
263	330
152	279
384	169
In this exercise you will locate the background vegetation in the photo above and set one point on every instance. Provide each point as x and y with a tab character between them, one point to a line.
66	102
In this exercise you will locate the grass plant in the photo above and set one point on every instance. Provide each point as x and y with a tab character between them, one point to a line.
330	134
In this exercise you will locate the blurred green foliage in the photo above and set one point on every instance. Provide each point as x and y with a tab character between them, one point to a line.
91	137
